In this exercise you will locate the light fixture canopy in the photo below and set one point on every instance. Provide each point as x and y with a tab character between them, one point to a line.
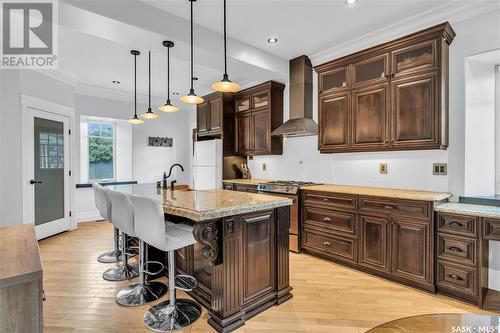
135	120
191	98
168	107
225	85
272	40
149	114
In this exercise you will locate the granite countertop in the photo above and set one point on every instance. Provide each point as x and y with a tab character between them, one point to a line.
381	192
251	181
205	205
468	209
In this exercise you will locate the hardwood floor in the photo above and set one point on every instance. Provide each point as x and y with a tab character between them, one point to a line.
327	297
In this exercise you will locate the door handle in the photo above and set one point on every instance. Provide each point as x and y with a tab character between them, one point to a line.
33	182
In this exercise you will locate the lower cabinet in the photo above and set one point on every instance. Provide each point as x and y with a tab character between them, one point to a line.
394	241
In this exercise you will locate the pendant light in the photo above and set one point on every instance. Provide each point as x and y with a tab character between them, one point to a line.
191	98
149	114
168	107
225	85
135	120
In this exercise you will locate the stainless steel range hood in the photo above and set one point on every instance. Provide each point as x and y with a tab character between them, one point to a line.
300	101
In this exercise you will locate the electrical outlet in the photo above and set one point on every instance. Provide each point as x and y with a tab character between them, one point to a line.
440	169
264	167
383	168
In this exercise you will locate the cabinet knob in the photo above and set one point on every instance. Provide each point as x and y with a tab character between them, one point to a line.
326	243
455	249
455	277
327	219
325	199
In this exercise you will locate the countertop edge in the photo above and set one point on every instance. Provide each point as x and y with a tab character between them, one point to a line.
473	210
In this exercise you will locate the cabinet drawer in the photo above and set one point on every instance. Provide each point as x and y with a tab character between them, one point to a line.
330	200
341	247
457	224
491	229
331	220
454	248
457	278
227	186
395	207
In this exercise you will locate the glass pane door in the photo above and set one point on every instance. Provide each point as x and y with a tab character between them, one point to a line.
49	170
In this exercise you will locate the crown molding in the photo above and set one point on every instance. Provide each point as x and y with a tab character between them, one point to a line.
453	12
60	75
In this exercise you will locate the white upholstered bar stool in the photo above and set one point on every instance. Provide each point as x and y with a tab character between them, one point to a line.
104	206
151	227
122	216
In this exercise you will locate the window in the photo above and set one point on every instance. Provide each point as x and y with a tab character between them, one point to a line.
101	151
51	150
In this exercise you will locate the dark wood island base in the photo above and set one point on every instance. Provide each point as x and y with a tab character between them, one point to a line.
241	264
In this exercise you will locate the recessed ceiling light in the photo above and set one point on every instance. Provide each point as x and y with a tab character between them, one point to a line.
350	2
116	82
272	40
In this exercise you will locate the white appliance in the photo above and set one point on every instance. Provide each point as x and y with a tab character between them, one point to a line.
207	165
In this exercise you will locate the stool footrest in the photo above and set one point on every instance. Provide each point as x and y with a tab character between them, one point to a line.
148	272
185	282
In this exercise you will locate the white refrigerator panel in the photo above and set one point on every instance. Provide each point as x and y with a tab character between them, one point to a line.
208	153
207	178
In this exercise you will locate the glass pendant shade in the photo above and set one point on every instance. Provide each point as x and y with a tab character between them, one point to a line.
135	121
191	98
225	85
168	107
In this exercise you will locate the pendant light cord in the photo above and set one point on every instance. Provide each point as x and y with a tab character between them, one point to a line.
135	85
149	69
168	73
225	52
192	57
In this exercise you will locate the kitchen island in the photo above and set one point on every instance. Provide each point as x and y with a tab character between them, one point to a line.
241	258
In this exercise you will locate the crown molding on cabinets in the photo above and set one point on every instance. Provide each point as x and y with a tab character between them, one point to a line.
453	12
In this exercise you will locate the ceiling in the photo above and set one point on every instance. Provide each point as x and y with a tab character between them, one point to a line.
95	37
302	27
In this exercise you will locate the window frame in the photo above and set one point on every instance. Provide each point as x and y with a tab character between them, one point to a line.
113	138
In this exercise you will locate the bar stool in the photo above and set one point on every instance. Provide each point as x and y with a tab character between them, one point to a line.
151	226
104	206
122	216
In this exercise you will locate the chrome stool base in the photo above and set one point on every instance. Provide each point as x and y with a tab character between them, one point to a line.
165	318
140	294
125	272
110	257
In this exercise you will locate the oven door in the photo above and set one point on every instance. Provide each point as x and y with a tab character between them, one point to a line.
294	219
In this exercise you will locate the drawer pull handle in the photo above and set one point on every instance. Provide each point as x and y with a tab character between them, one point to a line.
325	199
455	249
43	296
455	277
327	219
456	224
389	207
326	243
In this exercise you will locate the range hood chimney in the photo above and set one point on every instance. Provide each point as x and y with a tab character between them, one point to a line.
300	102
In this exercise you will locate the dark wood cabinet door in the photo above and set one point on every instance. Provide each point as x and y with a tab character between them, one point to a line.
414	111
415	58
215	115
411	250
261	133
370	108
258	254
333	119
202	111
243	130
374	242
371	71
242	103
333	80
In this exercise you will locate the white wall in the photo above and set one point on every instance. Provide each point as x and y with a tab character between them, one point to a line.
497	130
479	128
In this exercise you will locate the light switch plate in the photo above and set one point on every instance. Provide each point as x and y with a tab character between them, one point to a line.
383	168
440	169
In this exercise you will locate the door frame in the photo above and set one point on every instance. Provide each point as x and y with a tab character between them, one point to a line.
29	106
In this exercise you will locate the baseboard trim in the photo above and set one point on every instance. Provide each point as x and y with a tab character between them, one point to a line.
88	216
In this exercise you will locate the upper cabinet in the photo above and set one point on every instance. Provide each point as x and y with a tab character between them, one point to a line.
259	111
390	97
215	119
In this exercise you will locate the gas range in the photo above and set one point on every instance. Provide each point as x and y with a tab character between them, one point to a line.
283	186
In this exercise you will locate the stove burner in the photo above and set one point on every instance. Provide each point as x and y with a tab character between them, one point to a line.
283	186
